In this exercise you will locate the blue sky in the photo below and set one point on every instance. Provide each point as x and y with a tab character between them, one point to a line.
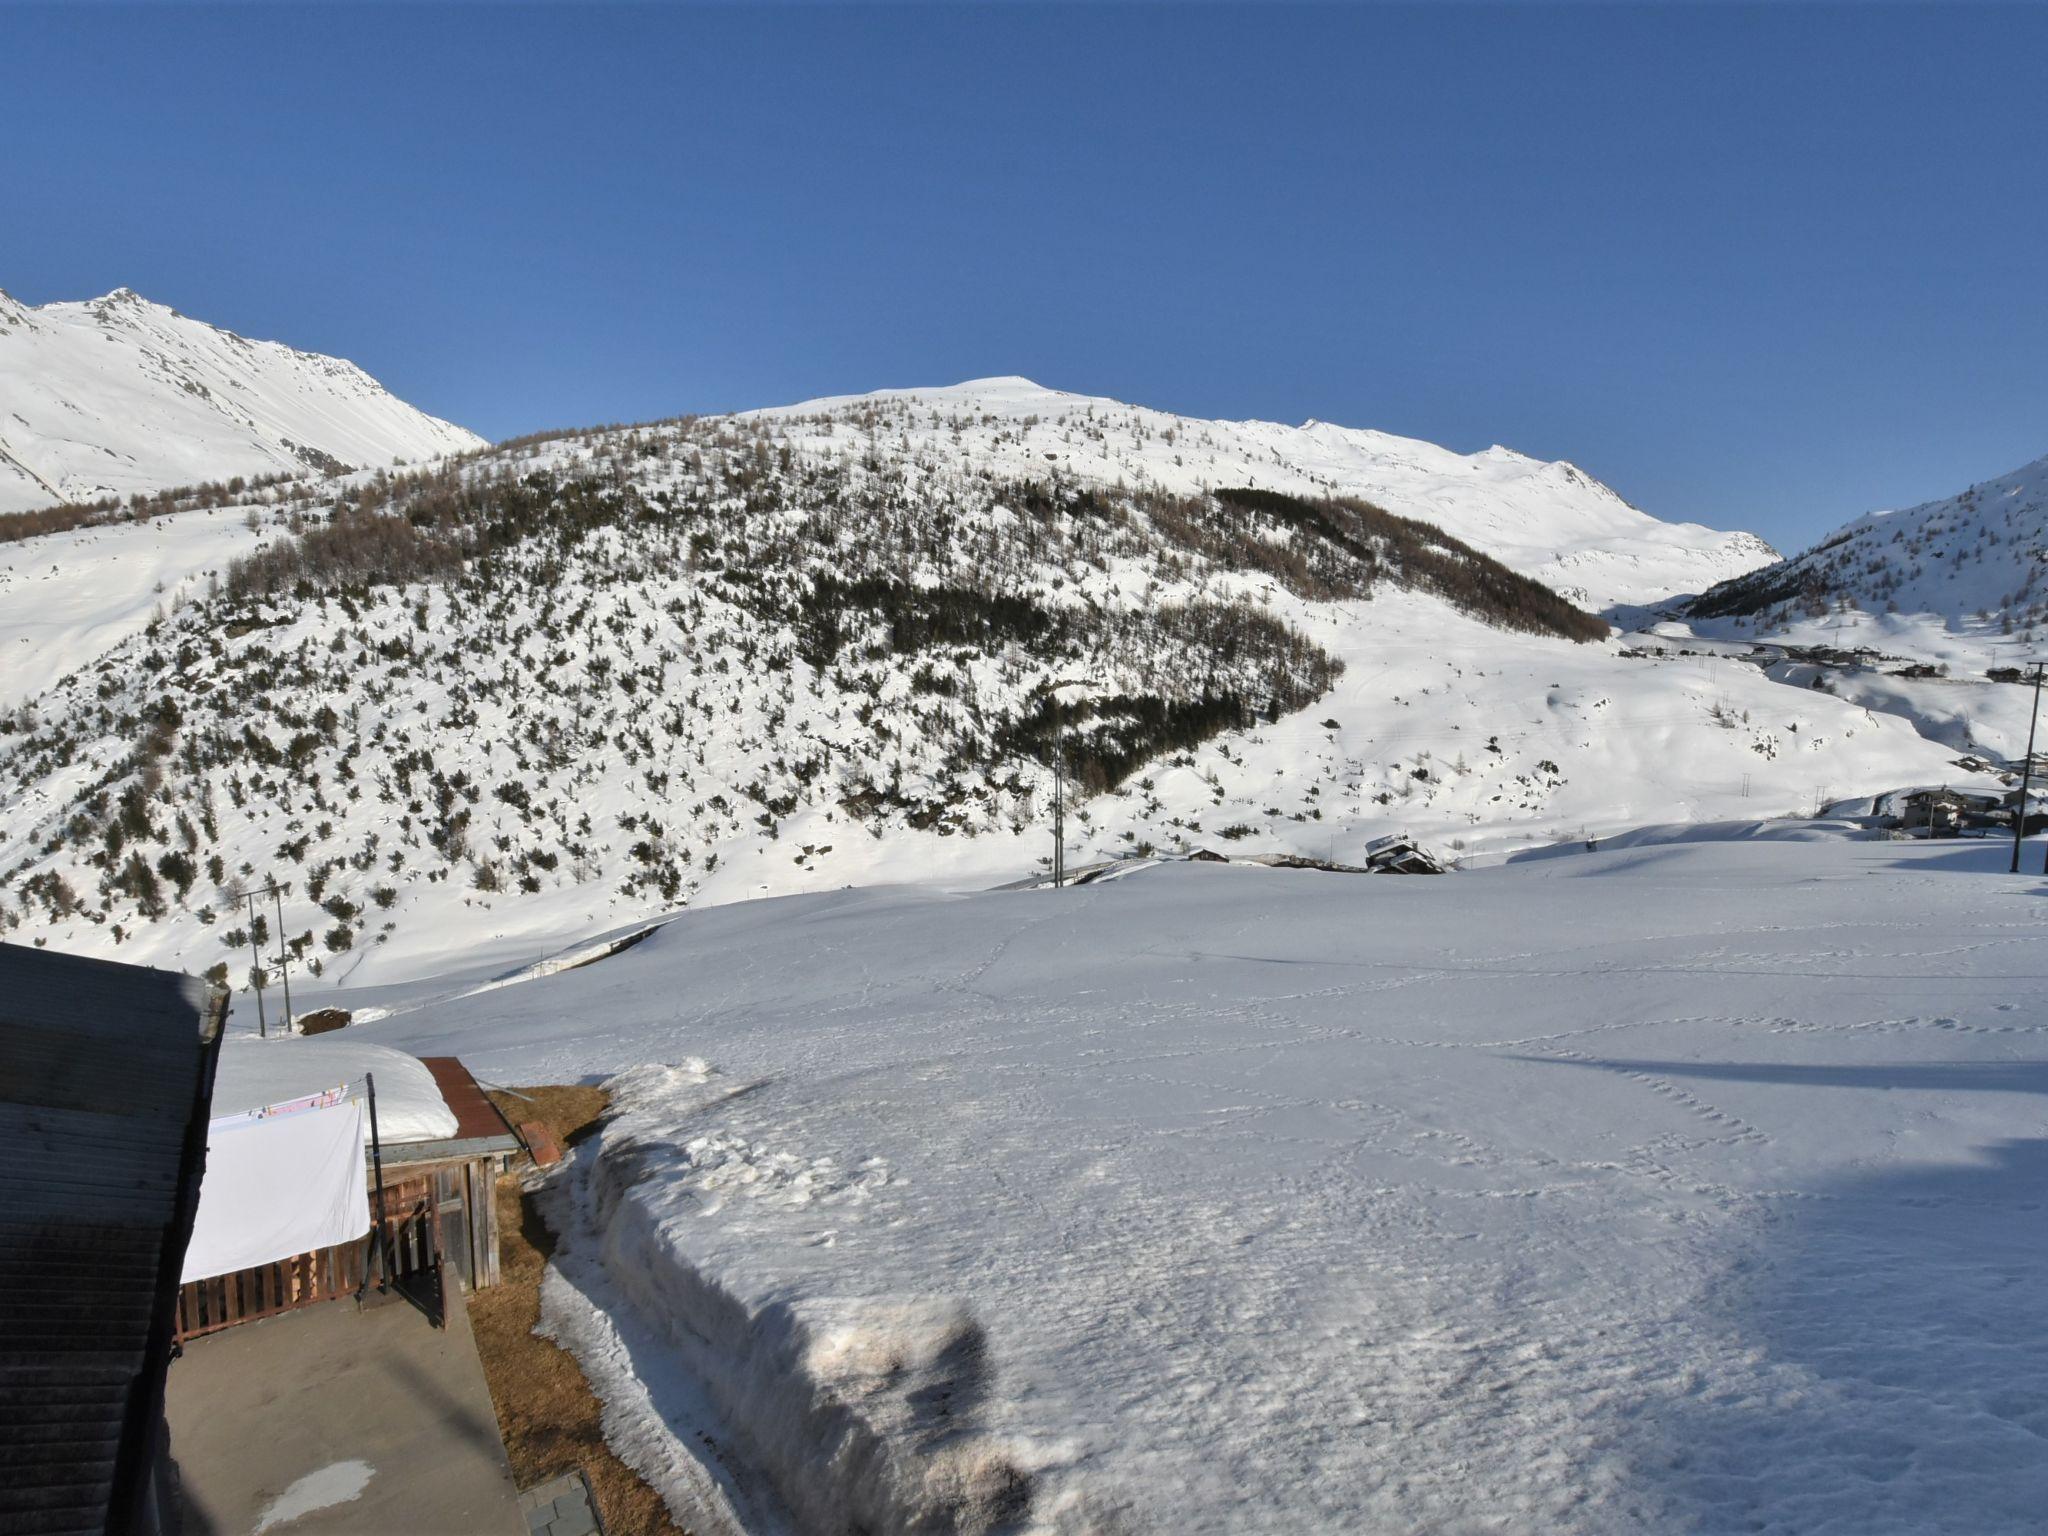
1759	268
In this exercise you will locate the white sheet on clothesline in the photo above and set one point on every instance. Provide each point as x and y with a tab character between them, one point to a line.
279	1185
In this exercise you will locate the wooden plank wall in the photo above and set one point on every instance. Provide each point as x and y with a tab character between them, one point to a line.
413	1226
207	1306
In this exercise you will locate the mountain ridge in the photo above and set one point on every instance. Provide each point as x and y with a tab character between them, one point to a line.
1928	558
119	396
1547	519
570	683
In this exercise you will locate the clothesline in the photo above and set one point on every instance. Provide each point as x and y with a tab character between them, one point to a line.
281	1180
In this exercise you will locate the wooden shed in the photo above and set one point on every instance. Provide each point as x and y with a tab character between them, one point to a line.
440	1222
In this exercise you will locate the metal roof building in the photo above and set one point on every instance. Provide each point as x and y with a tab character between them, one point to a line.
106	1078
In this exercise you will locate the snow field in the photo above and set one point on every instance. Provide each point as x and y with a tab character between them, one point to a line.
1683	1186
66	599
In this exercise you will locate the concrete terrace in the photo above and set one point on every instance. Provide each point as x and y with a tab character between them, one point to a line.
330	1420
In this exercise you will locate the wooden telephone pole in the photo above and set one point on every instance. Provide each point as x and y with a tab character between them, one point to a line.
2019	815
1059	778
1059	797
284	969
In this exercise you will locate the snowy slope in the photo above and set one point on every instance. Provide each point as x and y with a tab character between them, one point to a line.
1959	584
1981	556
730	658
118	395
68	598
1684	1188
1551	521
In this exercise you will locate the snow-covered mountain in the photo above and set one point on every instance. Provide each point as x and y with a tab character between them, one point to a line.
117	395
565	684
1929	613
1981	556
1551	521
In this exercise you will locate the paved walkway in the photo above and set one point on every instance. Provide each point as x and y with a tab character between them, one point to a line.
561	1506
332	1421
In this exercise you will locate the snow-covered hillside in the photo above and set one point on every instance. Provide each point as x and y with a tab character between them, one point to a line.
68	598
1980	558
116	395
583	681
1959	586
1683	1188
1551	521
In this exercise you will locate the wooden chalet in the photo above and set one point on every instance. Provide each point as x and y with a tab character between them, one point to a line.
1938	811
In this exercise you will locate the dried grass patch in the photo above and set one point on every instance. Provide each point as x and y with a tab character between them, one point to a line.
551	1420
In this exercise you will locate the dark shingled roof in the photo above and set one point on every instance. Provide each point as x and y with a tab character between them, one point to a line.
106	1077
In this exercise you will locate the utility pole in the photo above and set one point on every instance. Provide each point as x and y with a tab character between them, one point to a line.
1059	796
380	1236
284	969
2019	816
256	962
1059	777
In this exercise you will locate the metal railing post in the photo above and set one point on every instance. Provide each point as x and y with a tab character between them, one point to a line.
380	1240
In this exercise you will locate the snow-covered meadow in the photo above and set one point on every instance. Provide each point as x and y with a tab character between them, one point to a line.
66	599
1679	1187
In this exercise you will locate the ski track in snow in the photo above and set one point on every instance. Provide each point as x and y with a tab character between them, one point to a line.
1216	1199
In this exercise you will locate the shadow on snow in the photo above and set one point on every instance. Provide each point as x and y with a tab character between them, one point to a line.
1880	1362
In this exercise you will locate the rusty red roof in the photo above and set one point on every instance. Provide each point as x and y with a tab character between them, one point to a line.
476	1117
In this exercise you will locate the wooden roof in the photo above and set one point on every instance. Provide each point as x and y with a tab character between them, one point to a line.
106	1075
479	1128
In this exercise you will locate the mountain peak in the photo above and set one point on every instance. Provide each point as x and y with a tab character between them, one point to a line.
120	301
1002	381
118	395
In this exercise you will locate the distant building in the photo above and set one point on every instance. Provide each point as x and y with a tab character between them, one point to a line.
2036	809
1401	855
1938	811
106	1078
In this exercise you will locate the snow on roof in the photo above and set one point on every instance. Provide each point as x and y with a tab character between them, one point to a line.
255	1072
